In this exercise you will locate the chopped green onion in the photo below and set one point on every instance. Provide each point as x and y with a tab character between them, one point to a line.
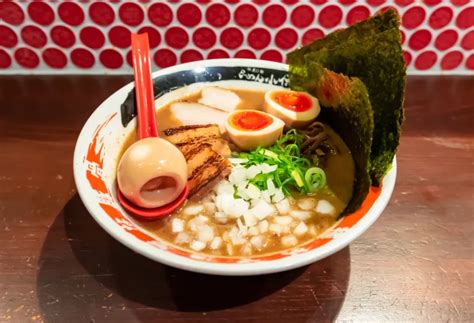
316	178
283	164
270	154
296	175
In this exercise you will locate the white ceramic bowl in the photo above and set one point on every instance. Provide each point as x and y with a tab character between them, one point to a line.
98	147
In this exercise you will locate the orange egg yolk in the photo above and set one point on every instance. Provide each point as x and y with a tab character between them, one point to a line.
293	101
250	120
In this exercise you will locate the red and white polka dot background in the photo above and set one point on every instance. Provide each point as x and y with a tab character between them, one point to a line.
94	36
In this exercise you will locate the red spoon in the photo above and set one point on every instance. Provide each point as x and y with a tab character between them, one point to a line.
152	172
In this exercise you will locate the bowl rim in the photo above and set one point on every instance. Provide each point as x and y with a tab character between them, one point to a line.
244	267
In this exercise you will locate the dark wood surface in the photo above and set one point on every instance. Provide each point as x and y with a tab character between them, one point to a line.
56	265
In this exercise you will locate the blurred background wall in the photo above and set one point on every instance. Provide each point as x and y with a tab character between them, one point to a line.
93	37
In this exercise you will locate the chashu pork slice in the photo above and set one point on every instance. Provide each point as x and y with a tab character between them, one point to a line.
204	165
186	137
220	98
205	152
219	145
186	134
189	113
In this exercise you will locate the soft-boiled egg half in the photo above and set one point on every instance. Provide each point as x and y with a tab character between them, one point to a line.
249	129
296	109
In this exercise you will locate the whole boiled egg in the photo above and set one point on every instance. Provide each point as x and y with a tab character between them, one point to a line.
296	109
249	129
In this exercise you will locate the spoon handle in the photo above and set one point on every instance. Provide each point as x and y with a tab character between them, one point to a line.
143	86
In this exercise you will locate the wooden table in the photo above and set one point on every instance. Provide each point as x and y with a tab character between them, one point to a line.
57	265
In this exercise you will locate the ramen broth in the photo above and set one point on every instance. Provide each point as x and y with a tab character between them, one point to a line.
339	169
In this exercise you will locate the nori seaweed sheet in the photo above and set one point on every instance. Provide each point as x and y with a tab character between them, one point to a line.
366	28
371	51
347	108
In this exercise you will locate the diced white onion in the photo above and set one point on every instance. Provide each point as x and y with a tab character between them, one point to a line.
195	223
266	196
253	192
230	249
205	233
250	219
289	240
224	187
242	227
275	228
237	208
246	249
203	218
222	200
177	225
253	171
193	209
238	176
221	217
263	226
237	161
237	241
240	224
283	219
283	206
242	192
324	207
300	229
301	215
266	169
258	242
182	237
234	231
256	214
263	209
312	230
253	231
197	245
278	196
216	243
307	203
271	187
225	236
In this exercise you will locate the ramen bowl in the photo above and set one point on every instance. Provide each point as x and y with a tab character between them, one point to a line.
98	149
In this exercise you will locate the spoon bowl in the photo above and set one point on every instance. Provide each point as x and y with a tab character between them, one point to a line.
155	213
